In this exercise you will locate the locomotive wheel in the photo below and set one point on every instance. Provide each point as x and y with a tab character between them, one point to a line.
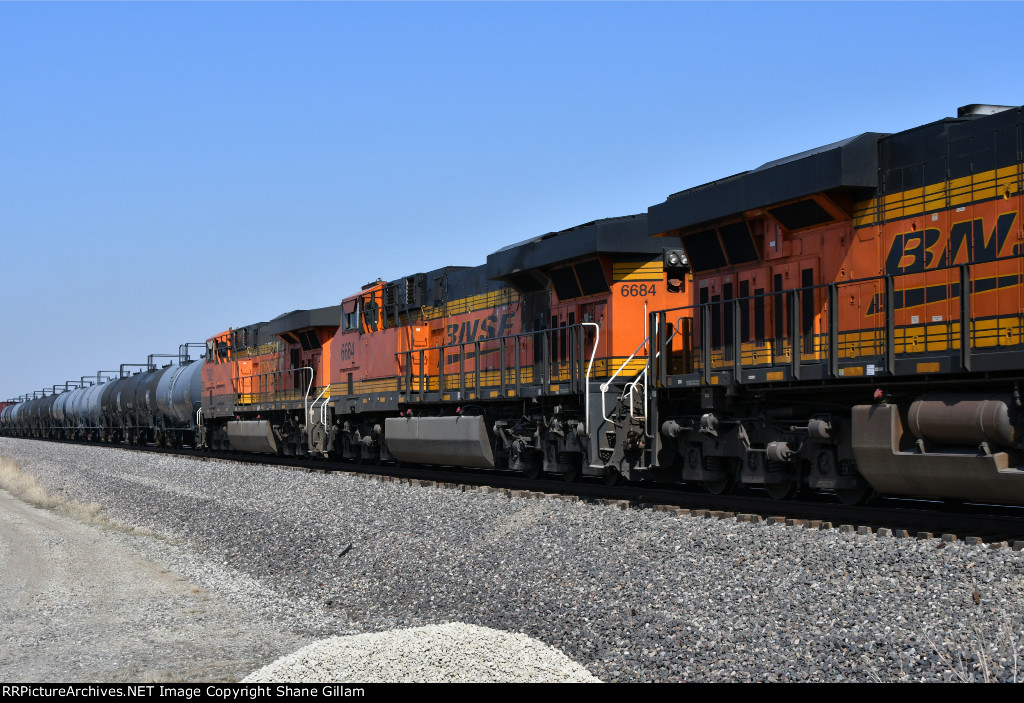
726	471
782	491
718	486
853	496
571	475
611	477
518	461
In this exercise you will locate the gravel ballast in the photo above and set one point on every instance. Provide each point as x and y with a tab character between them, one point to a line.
448	653
632	595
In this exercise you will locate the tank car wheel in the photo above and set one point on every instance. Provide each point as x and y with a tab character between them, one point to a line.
782	491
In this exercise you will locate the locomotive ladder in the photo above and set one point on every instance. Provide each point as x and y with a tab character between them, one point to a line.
638	384
316	417
629	413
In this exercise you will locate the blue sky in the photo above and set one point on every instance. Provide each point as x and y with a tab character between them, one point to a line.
168	170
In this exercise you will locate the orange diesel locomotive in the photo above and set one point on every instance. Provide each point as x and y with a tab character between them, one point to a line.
858	319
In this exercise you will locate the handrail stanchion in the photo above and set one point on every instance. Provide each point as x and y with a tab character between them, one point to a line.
833	330
965	318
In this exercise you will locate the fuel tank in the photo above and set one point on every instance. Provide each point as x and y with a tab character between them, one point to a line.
459	441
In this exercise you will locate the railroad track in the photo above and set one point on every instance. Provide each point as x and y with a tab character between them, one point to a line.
996	525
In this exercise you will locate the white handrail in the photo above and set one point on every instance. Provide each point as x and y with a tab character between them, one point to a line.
593	353
631	387
312	409
604	386
313	405
323	412
305	398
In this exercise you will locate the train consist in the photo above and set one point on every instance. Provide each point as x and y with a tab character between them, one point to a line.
841	321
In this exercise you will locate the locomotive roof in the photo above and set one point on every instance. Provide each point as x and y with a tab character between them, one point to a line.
301	319
854	163
626	234
849	163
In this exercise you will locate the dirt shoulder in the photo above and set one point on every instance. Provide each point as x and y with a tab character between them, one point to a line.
77	603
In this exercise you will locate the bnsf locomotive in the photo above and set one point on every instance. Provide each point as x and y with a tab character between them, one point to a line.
843	320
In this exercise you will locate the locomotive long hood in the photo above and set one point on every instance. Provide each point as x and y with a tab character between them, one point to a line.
850	163
612	235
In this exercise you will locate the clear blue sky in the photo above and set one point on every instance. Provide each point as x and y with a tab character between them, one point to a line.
171	170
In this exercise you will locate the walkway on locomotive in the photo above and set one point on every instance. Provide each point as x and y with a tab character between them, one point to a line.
858	272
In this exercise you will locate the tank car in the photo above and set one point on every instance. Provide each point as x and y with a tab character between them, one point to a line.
153	405
177	401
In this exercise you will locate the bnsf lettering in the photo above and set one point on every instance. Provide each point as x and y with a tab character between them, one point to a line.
968	242
487	328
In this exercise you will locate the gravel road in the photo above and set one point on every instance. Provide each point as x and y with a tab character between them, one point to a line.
79	603
633	595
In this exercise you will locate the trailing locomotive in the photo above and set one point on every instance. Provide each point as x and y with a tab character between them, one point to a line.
843	320
484	367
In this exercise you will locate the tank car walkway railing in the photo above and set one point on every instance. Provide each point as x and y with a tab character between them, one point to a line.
910	324
543	362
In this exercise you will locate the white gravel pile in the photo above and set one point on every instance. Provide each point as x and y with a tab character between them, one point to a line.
633	595
450	653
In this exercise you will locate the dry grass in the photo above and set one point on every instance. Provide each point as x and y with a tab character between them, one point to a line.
25	487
